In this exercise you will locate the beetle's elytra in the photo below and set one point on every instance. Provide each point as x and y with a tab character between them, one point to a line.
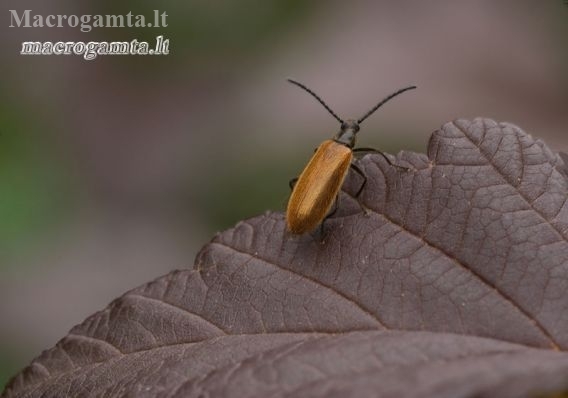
319	183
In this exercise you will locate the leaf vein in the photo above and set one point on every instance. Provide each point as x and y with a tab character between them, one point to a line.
480	277
312	280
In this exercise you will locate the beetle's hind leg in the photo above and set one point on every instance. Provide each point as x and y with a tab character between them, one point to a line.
358	193
360	172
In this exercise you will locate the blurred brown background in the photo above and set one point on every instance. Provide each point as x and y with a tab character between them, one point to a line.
116	171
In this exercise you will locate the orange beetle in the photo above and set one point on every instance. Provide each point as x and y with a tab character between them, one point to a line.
315	191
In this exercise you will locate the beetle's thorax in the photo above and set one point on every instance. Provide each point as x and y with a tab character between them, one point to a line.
348	133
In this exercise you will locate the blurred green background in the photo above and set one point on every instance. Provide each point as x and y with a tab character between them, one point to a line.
116	171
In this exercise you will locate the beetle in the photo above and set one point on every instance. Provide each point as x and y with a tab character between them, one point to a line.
317	187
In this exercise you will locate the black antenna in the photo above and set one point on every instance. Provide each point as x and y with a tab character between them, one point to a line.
366	115
318	98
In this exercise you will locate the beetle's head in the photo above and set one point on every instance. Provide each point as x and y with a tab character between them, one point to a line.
348	133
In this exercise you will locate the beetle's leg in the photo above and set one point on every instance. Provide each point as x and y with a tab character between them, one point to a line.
358	171
373	150
356	196
292	183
